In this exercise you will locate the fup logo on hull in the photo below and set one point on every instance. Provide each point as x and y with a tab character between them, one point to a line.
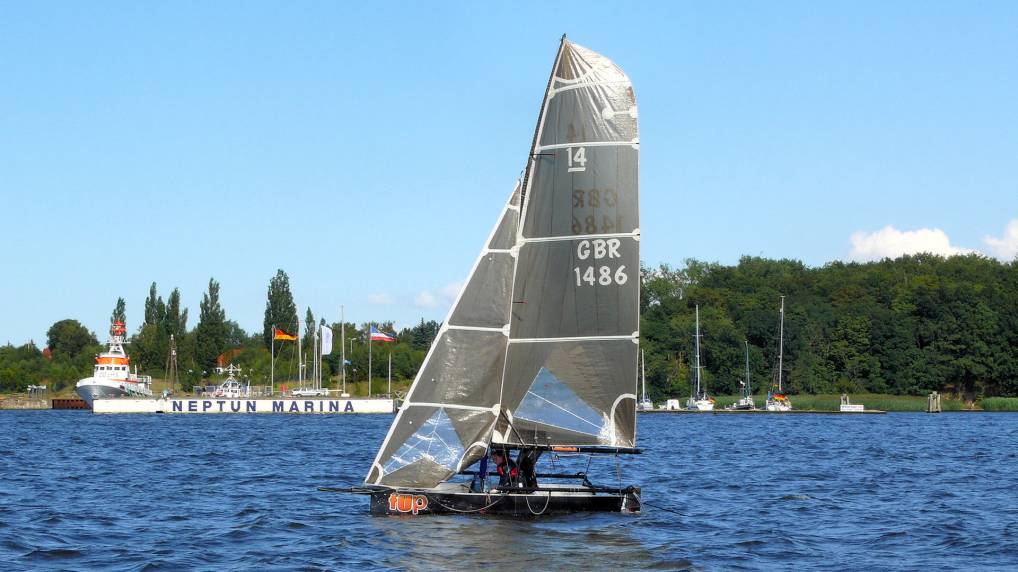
408	503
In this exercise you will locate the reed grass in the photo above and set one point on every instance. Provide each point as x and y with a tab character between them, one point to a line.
999	404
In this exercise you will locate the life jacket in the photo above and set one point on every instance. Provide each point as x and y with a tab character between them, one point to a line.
514	471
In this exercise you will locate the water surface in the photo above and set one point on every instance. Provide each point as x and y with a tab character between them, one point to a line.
736	492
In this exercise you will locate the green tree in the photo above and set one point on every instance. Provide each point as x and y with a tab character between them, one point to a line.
210	333
119	312
69	338
280	311
155	309
175	318
309	331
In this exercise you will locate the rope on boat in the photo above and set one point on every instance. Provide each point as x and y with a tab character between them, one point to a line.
547	501
483	508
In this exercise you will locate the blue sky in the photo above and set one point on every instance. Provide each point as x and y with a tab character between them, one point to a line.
367	148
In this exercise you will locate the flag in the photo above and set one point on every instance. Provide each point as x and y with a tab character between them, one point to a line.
326	340
281	335
378	336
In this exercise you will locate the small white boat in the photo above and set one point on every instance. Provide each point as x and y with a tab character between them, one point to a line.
310	392
644	404
111	376
231	388
699	401
777	401
745	403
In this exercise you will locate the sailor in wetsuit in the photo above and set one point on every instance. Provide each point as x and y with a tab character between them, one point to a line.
508	472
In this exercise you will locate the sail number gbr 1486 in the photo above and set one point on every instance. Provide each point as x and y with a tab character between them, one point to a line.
599	274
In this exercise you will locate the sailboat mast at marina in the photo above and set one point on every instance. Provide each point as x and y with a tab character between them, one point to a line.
698	400
777	400
540	349
745	402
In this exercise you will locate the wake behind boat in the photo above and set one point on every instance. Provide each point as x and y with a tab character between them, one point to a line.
539	353
111	376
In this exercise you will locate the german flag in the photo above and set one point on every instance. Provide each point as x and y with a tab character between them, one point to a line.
278	334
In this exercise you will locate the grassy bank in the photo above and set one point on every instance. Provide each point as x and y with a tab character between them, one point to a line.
999	404
883	402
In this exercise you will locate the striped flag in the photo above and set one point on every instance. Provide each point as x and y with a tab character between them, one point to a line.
278	334
379	336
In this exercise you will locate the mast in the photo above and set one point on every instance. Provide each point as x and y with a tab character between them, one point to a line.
390	375
748	391
370	327
697	395
171	367
524	189
300	356
342	344
532	162
643	374
272	360
781	341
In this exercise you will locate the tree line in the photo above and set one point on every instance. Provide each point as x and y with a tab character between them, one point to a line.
71	347
904	326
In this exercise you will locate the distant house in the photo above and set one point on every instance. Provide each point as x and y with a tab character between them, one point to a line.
47	353
225	358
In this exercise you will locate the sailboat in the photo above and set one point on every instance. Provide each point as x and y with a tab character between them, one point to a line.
539	352
699	400
745	402
777	400
645	403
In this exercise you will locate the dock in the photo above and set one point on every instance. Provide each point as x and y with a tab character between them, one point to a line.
241	406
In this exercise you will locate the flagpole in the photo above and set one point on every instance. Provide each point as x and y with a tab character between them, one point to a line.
272	361
342	343
370	326
300	357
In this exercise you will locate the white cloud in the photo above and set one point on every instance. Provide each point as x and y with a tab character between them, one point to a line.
426	300
890	242
379	298
1006	247
443	298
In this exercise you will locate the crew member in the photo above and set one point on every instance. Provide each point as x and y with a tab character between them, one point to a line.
508	472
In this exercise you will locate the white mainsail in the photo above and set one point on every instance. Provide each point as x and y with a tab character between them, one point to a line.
541	345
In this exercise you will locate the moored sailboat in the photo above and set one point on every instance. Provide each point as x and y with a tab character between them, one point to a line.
645	403
699	400
745	402
539	352
777	401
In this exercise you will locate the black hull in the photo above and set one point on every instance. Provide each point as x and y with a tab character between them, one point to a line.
416	502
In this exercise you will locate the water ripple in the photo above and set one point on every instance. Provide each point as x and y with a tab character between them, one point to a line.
799	492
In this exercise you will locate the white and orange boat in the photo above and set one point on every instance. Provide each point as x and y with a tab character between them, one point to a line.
112	376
